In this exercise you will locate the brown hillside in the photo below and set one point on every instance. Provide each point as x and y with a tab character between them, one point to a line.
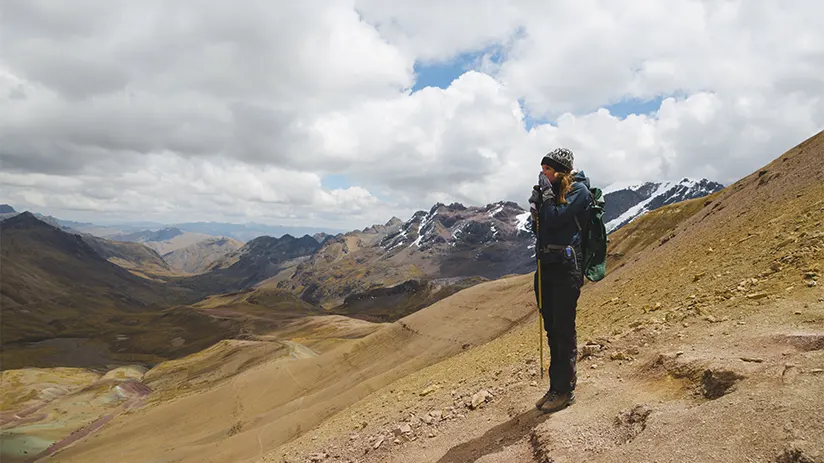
388	304
653	226
348	264
141	260
65	305
199	257
262	408
765	226
258	260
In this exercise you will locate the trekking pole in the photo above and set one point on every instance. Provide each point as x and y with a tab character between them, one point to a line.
540	320
540	295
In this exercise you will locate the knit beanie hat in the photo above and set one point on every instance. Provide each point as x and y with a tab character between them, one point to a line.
559	159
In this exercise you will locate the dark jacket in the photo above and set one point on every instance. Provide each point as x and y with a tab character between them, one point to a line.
557	221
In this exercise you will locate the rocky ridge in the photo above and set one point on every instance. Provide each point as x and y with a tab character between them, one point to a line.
446	241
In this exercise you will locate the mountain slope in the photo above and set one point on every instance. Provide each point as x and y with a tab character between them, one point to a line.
625	204
280	399
139	259
657	225
390	303
164	240
81	309
446	241
258	260
199	257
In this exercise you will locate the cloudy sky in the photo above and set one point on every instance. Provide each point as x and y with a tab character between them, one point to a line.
344	113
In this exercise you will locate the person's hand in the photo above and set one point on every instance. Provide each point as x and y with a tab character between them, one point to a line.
535	197
548	195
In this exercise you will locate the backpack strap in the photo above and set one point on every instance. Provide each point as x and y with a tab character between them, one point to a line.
591	203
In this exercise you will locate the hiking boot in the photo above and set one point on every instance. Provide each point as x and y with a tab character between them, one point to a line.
553	401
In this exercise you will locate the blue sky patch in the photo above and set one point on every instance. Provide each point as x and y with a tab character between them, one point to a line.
621	110
335	182
442	74
624	108
529	120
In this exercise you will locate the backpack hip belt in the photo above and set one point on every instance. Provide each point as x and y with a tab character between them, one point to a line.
554	247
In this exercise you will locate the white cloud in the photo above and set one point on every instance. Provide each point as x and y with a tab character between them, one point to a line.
434	31
174	189
204	111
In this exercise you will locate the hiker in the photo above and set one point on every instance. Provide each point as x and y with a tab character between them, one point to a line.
560	204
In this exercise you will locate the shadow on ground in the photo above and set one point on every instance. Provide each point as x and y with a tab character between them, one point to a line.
494	440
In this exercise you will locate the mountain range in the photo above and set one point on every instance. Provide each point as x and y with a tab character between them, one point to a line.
150	231
446	241
625	203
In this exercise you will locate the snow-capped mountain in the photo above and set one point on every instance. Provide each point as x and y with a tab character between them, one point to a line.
624	203
456	225
444	242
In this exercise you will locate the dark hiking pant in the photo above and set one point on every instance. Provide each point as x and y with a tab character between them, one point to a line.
561	281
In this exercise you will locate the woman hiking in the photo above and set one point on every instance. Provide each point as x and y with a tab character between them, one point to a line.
560	202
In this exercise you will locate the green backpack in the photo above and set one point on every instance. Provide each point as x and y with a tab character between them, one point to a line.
594	238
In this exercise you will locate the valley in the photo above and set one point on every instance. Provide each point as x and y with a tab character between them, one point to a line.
415	341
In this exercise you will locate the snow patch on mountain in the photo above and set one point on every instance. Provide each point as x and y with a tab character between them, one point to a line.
618	186
521	224
630	200
496	210
636	210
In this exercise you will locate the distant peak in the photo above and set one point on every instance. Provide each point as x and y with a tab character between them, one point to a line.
23	220
6	209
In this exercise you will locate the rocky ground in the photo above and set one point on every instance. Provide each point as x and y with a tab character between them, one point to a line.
741	388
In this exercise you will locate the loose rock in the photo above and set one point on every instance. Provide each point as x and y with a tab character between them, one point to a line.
620	356
589	350
480	397
427	391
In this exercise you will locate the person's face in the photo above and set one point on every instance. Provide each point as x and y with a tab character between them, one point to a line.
549	173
